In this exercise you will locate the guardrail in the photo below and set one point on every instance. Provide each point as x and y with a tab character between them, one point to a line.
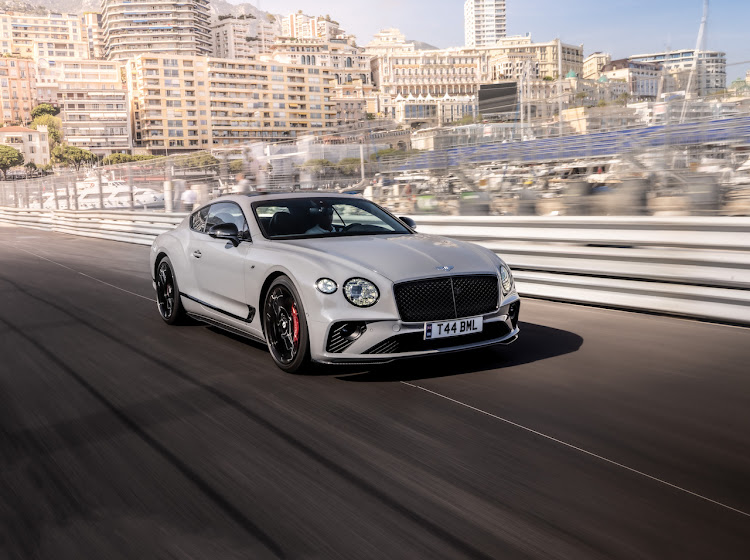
131	227
696	267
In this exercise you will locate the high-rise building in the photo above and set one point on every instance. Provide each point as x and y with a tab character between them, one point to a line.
187	103
709	69
133	27
93	100
51	36
243	36
92	32
484	22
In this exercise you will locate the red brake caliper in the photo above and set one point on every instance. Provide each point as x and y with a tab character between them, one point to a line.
295	323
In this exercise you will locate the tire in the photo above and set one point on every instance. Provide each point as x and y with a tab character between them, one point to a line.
168	294
285	327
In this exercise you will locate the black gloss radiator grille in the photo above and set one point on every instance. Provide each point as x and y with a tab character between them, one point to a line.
453	297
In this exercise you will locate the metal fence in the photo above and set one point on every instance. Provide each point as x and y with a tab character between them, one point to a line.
693	168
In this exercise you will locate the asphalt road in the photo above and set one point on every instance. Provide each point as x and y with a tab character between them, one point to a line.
599	434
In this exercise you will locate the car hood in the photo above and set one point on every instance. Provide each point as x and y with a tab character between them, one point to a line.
403	257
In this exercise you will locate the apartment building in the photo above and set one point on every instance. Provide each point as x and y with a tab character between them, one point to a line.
554	58
346	61
593	64
302	26
709	69
51	37
184	103
17	90
242	36
342	60
484	22
46	81
33	144
437	73
93	33
643	78
234	38
389	41
93	99
513	66
133	27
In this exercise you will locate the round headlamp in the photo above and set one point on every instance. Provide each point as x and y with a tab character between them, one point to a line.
506	279
361	292
326	286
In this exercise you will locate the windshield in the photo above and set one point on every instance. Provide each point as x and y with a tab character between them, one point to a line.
301	218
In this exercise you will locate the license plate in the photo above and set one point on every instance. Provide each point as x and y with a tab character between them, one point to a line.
445	329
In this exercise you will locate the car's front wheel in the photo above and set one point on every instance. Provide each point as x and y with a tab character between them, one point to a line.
168	294
285	326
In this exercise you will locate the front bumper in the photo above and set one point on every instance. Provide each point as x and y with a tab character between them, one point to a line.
388	340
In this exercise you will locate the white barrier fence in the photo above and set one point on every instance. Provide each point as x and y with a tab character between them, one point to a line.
694	267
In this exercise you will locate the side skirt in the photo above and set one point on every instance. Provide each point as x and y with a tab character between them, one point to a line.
224	326
248	319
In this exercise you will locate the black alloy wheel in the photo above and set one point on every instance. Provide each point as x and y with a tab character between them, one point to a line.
168	294
286	327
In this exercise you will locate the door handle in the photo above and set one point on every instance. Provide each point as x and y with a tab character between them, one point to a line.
197	254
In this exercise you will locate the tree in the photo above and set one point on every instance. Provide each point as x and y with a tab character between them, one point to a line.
115	159
54	128
349	166
72	155
468	119
319	167
236	166
30	168
44	109
198	163
391	153
9	157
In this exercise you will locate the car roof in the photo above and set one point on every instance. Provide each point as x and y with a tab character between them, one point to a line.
259	197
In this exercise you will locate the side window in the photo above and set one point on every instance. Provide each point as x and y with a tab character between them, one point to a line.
226	213
198	220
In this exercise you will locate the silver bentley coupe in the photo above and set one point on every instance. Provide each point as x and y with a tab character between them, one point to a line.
331	278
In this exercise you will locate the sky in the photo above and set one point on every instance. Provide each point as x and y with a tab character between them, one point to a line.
618	27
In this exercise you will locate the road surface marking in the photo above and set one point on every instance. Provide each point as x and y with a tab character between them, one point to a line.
86	275
571	446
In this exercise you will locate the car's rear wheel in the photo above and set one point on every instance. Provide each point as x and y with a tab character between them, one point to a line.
286	327
168	294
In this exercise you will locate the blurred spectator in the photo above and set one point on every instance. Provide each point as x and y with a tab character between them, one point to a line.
189	198
243	185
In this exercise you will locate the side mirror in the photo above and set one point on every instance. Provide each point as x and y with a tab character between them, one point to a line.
225	231
408	221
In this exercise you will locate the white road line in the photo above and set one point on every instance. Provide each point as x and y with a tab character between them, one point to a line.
571	446
86	275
